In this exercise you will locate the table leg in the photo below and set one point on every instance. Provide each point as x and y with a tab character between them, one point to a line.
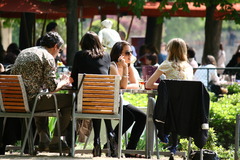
150	127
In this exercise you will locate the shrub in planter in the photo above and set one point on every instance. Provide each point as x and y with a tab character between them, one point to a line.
223	118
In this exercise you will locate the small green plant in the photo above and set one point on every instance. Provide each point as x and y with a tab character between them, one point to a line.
223	118
211	145
234	88
138	100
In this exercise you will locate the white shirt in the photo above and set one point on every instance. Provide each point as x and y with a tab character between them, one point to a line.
204	76
221	60
108	37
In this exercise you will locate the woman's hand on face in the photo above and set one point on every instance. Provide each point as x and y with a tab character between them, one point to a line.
121	61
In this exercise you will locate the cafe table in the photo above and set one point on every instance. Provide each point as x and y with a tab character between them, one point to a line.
150	128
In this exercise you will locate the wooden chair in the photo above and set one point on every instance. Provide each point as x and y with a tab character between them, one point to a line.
14	103
98	97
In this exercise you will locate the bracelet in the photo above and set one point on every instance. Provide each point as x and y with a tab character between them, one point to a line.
125	76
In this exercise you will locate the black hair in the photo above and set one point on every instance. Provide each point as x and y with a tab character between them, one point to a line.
51	26
117	50
91	45
51	39
190	52
153	58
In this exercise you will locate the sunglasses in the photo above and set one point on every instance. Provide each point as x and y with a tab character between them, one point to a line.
60	50
128	52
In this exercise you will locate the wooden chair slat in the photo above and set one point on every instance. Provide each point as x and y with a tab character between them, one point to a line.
13	103
8	80
97	112
98	88
12	100
99	95
98	108
11	95
12	91
99	76
97	100
98	84
8	76
15	107
18	110
98	80
99	91
97	104
9	84
10	88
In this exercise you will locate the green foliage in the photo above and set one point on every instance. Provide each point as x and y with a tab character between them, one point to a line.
137	6
138	100
223	118
189	27
234	88
211	145
51	125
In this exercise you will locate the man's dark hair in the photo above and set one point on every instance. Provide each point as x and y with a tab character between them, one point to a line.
51	39
51	26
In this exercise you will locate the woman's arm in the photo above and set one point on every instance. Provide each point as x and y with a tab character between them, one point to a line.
124	77
133	78
151	81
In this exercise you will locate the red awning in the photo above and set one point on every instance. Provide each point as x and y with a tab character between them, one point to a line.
14	8
89	8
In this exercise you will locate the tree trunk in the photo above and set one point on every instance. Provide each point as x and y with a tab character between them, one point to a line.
72	30
153	32
27	26
213	30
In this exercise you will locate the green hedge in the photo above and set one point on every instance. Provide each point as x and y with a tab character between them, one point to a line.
223	118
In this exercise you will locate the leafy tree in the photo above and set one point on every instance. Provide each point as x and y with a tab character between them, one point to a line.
213	26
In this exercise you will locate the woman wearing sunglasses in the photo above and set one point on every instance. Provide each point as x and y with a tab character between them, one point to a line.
121	56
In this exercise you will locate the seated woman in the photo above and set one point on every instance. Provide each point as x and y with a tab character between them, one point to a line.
175	67
121	65
93	60
209	76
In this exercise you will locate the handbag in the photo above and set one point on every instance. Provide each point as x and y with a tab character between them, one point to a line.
207	155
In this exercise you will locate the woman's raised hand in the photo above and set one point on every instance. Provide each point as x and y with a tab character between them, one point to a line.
121	61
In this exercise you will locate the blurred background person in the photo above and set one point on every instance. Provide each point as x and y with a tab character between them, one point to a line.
152	59
233	62
162	56
221	59
51	26
12	53
108	36
191	57
2	53
209	75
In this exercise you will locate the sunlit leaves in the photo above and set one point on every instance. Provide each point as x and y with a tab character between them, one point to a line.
137	6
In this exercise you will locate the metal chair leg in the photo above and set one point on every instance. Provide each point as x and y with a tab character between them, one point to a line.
156	140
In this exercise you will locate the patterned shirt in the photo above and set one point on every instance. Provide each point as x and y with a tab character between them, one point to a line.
169	69
38	69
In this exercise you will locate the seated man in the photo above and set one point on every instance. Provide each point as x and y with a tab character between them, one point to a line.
38	69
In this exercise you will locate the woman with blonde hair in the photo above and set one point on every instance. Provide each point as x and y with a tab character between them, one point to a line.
175	67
